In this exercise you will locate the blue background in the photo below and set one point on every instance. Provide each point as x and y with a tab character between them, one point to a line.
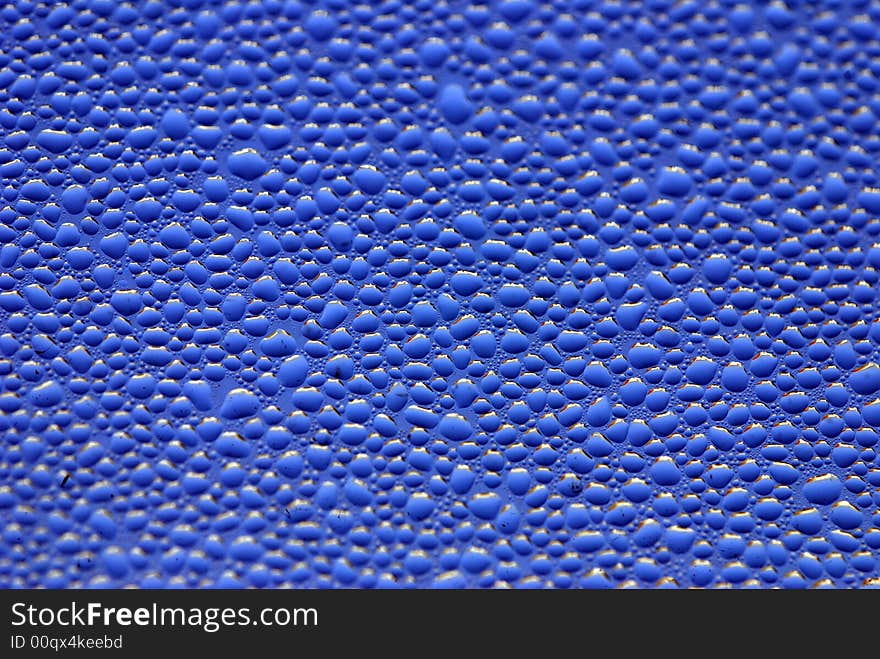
573	294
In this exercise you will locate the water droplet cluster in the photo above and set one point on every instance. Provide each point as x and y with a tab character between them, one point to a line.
580	293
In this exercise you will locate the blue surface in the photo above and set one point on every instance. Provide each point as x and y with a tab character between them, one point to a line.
575	294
